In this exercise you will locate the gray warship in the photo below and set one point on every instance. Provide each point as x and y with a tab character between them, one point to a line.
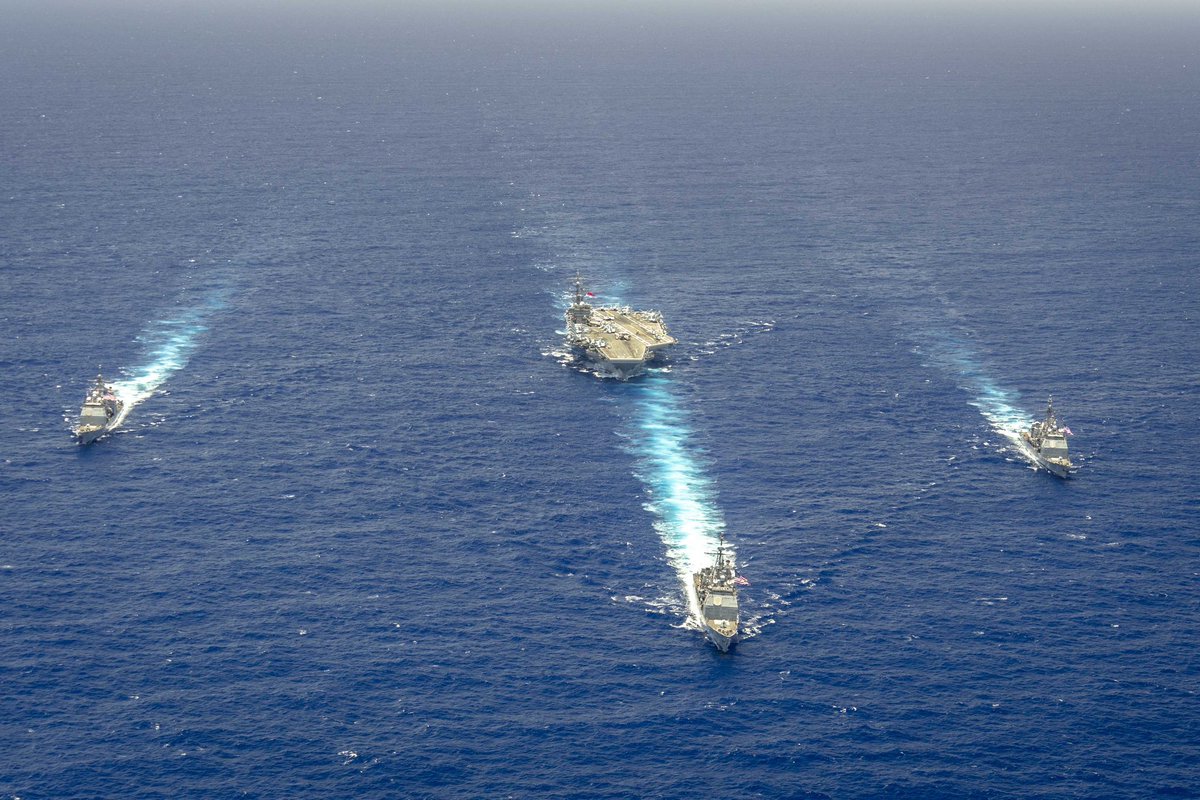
101	412
618	340
717	597
1046	442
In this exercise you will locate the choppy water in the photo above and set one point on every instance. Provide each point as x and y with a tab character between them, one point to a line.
364	532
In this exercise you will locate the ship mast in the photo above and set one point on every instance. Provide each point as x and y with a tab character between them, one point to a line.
578	289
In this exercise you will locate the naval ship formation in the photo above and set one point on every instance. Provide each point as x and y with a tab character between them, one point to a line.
1046	442
620	341
101	412
717	598
624	340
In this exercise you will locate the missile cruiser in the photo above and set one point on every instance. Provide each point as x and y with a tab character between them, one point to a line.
618	340
717	597
1046	442
101	412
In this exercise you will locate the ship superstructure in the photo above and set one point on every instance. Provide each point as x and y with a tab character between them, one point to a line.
101	412
717	597
618	339
1046	442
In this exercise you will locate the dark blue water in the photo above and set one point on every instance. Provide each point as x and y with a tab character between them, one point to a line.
363	535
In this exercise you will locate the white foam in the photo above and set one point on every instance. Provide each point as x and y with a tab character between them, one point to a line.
168	344
682	497
995	403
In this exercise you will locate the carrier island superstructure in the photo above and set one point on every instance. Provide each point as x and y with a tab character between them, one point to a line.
618	340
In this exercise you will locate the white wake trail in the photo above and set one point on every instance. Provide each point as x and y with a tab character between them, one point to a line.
997	404
682	497
167	345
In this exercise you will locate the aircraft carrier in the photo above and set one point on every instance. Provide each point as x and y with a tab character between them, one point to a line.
618	340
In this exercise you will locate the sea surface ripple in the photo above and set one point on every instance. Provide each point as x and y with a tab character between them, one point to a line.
361	538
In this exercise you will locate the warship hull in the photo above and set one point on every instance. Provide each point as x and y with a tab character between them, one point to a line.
1054	467
612	368
722	641
89	436
1061	470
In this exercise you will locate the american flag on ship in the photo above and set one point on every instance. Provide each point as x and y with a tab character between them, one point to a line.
1067	431
741	580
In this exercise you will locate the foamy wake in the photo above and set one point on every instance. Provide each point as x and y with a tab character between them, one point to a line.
682	497
995	403
167	344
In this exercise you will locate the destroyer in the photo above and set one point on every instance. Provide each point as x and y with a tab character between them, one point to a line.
717	597
101	412
619	340
1047	443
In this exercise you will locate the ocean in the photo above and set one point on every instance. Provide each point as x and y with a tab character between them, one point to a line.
367	531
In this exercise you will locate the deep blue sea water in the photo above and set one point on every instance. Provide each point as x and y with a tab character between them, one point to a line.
365	535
